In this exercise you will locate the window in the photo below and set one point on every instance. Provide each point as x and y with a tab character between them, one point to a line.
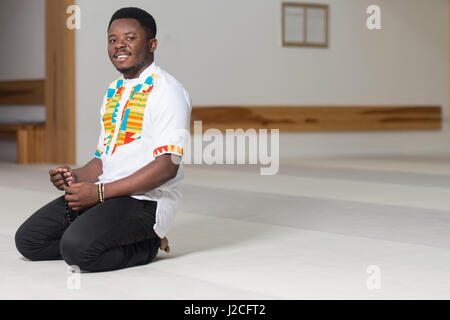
304	24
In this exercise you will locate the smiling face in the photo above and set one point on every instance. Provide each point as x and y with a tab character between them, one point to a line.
129	48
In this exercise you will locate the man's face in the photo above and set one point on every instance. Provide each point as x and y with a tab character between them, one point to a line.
128	46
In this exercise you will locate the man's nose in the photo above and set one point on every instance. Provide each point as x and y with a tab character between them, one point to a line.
119	43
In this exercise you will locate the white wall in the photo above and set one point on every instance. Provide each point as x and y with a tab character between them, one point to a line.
228	52
22	38
22	56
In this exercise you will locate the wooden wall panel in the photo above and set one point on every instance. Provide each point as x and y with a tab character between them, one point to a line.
22	92
60	84
319	118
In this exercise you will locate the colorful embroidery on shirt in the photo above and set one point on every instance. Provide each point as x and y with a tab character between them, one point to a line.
132	115
107	142
113	97
168	148
98	153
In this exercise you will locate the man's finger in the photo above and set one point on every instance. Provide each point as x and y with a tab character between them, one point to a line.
67	189
71	198
57	172
59	184
55	178
77	206
53	172
72	205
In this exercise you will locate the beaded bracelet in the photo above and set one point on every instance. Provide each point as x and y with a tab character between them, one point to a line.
100	192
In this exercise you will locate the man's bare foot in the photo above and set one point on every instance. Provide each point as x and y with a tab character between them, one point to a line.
165	245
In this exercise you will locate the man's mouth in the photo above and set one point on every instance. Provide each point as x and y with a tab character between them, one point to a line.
121	56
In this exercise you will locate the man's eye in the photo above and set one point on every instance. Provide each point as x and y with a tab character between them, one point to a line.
112	40
130	38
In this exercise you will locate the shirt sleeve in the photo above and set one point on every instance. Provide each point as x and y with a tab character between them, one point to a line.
170	121
101	145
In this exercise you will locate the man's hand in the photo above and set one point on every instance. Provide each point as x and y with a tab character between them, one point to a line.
55	176
81	195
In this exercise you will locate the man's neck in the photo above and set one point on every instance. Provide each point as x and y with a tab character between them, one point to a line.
136	74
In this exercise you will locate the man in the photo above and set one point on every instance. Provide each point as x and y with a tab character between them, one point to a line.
120	204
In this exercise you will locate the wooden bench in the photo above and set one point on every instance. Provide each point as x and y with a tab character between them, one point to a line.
30	136
30	139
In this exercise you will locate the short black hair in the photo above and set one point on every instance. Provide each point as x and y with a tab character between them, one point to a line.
145	19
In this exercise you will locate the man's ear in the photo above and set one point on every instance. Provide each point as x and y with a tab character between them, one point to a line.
153	45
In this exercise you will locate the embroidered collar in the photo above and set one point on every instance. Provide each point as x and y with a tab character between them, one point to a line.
142	77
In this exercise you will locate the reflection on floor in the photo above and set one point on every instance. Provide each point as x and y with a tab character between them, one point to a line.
319	229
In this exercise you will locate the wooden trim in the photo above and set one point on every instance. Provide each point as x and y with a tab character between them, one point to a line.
319	118
60	84
8	135
22	92
13	127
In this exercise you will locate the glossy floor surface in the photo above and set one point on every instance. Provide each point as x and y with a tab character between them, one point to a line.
342	228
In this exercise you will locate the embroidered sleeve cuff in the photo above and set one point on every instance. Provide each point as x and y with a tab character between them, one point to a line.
98	153
168	149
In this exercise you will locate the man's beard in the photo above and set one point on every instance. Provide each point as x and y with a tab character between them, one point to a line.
131	70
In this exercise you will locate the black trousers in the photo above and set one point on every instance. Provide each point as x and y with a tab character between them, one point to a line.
115	234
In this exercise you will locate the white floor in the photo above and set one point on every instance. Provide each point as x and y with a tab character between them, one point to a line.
310	232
